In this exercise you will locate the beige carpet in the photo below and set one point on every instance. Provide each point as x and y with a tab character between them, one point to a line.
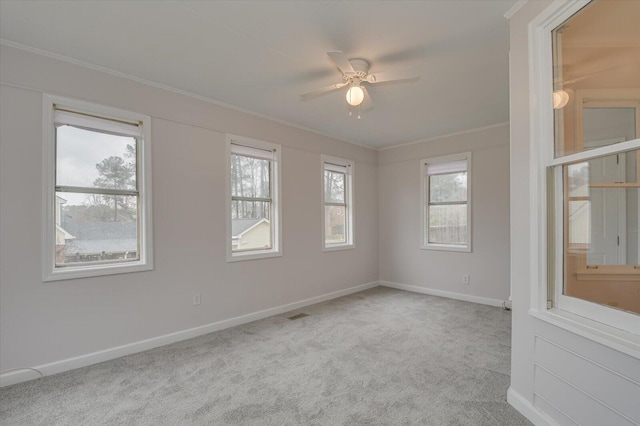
378	357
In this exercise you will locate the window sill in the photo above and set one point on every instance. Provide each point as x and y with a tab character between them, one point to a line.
74	272
338	247
252	255
445	247
610	337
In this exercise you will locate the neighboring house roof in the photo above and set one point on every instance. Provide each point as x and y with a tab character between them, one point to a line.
87	230
99	246
239	227
97	237
67	236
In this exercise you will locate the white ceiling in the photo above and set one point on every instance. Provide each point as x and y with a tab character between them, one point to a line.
261	55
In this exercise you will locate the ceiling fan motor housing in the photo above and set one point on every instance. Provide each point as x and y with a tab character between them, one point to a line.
361	68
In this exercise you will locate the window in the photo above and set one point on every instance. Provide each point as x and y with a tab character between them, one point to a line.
596	180
253	206
337	203
586	151
97	190
446	207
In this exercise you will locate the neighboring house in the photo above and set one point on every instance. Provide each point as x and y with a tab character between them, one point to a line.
91	241
62	236
250	234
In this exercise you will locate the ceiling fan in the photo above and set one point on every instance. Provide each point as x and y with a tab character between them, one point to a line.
355	73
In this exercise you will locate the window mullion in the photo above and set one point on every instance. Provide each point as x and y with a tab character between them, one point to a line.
101	191
256	199
446	203
596	153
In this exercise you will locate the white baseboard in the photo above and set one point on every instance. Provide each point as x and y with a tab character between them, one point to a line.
13	377
442	293
527	409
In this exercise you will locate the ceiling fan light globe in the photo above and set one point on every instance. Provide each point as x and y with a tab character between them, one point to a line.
355	95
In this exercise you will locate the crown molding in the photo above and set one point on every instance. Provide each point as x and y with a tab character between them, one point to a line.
448	135
63	58
516	7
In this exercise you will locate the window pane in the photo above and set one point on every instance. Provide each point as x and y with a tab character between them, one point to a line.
448	188
92	159
335	225
602	219
95	228
606	126
334	188
250	177
250	225
579	217
448	224
592	109
250	209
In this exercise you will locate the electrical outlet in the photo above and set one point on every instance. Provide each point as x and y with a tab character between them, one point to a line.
196	299
465	279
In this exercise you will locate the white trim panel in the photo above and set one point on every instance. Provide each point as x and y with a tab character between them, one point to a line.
527	409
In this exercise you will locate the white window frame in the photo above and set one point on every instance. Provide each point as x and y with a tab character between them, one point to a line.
276	200
607	326
145	234
424	203
349	197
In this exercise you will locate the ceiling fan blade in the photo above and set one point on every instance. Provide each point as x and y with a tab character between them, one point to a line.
323	90
382	77
341	61
367	103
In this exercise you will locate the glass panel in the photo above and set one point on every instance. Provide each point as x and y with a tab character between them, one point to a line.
592	74
250	177
334	189
95	228
335	225
448	188
448	224
250	209
607	126
92	159
602	218
602	207
250	225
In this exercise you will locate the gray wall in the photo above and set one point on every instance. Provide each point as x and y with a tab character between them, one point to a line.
43	323
401	259
48	322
